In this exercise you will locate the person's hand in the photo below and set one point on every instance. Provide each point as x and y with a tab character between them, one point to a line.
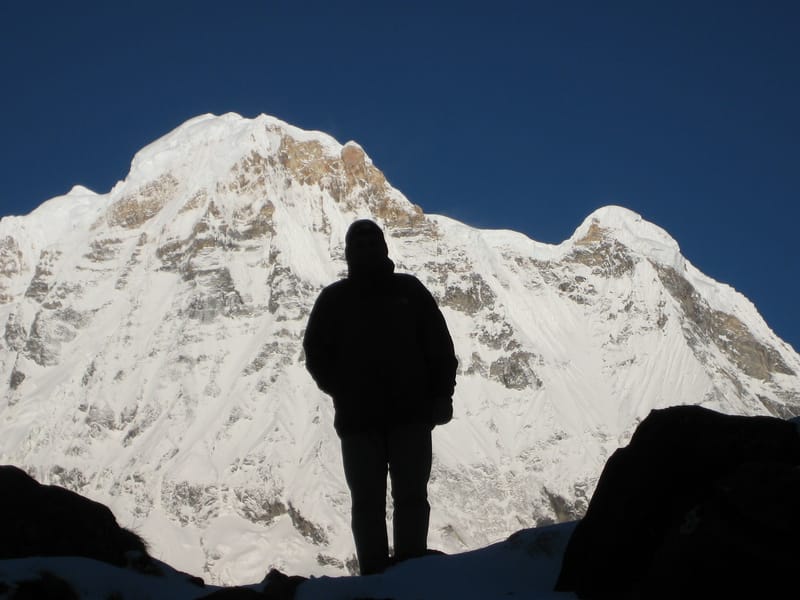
441	410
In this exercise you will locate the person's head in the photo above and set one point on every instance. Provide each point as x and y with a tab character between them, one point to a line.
365	249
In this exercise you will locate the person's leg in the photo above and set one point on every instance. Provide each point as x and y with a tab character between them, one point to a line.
410	468
365	467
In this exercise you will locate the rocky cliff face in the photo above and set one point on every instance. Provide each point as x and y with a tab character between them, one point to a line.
151	352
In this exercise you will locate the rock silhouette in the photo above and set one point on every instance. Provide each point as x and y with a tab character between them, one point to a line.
48	520
695	496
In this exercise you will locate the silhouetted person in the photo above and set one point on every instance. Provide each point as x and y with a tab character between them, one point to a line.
377	343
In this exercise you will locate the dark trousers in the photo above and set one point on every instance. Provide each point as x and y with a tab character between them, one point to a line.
405	454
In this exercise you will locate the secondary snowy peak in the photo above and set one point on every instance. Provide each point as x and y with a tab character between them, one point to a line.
151	349
81	190
614	239
630	229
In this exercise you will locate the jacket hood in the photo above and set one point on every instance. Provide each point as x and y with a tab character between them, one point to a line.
366	252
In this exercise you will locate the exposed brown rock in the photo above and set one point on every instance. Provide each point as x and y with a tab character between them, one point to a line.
11	264
16	379
50	329
189	502
596	234
308	529
136	209
501	334
103	250
249	175
476	366
726	331
197	200
252	224
354	160
306	161
42	276
606	257
514	371
471	298
349	178
15	334
256	506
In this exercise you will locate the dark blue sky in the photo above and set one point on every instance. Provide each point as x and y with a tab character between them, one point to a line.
519	115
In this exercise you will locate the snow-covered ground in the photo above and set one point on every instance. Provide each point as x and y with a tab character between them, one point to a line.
524	566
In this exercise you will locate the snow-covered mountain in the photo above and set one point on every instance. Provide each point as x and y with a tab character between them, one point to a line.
151	354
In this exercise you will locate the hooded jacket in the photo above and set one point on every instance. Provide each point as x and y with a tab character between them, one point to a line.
377	343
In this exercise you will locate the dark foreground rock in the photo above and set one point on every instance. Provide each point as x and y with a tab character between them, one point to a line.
276	586
45	587
697	503
47	520
741	542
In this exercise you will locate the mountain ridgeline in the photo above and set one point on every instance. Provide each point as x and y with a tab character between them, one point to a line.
151	353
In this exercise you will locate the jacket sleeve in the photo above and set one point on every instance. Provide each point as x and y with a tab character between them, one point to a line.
319	343
438	345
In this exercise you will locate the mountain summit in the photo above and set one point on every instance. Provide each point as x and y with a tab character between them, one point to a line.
151	354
